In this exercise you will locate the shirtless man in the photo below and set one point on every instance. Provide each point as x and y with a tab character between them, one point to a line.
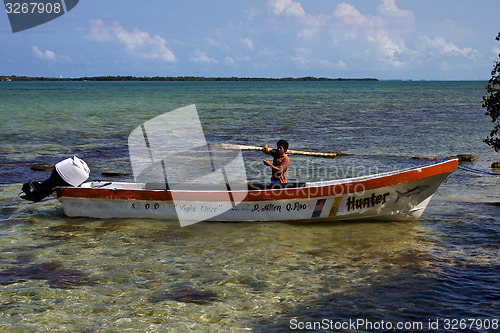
280	161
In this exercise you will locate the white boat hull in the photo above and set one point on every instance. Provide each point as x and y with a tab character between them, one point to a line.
394	196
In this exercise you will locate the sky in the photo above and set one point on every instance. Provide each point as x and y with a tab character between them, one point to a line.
383	39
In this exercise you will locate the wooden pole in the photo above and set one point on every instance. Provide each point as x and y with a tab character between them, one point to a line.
290	151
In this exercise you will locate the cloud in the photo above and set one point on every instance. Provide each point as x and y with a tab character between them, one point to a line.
136	42
380	40
222	46
202	57
247	42
389	8
286	8
46	55
439	46
385	43
99	32
352	25
347	13
49	55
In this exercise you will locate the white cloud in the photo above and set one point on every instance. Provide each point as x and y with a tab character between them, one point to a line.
286	8
349	14
136	43
202	57
439	46
350	20
269	53
99	32
380	40
46	55
247	42
302	58
383	46
389	8
221	46
383	40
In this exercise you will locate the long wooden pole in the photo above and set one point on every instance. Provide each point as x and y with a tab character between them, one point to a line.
290	151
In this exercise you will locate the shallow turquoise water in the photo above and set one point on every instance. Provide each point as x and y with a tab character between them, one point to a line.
75	274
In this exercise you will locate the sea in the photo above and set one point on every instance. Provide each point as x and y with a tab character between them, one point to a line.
66	274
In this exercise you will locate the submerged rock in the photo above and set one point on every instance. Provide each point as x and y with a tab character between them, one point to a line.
114	174
425	158
53	272
464	157
187	296
496	165
42	167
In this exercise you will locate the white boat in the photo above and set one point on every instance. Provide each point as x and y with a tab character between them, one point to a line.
179	176
393	196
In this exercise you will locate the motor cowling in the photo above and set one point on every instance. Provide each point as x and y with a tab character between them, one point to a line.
69	172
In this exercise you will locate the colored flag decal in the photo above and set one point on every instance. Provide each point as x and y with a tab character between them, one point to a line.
320	204
335	206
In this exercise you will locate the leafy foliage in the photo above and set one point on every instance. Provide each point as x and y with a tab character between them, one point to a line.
492	104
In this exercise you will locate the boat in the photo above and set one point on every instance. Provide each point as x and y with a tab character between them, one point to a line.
179	176
399	195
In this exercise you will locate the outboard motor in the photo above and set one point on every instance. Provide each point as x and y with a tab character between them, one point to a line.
70	172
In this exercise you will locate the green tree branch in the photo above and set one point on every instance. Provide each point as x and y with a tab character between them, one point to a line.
492	105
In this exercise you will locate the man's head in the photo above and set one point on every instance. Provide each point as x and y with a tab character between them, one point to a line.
282	143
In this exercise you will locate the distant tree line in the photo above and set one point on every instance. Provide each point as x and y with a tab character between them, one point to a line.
170	78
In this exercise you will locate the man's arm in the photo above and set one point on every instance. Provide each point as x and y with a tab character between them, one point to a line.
267	150
269	164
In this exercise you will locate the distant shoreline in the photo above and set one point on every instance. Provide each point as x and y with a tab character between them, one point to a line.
170	78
